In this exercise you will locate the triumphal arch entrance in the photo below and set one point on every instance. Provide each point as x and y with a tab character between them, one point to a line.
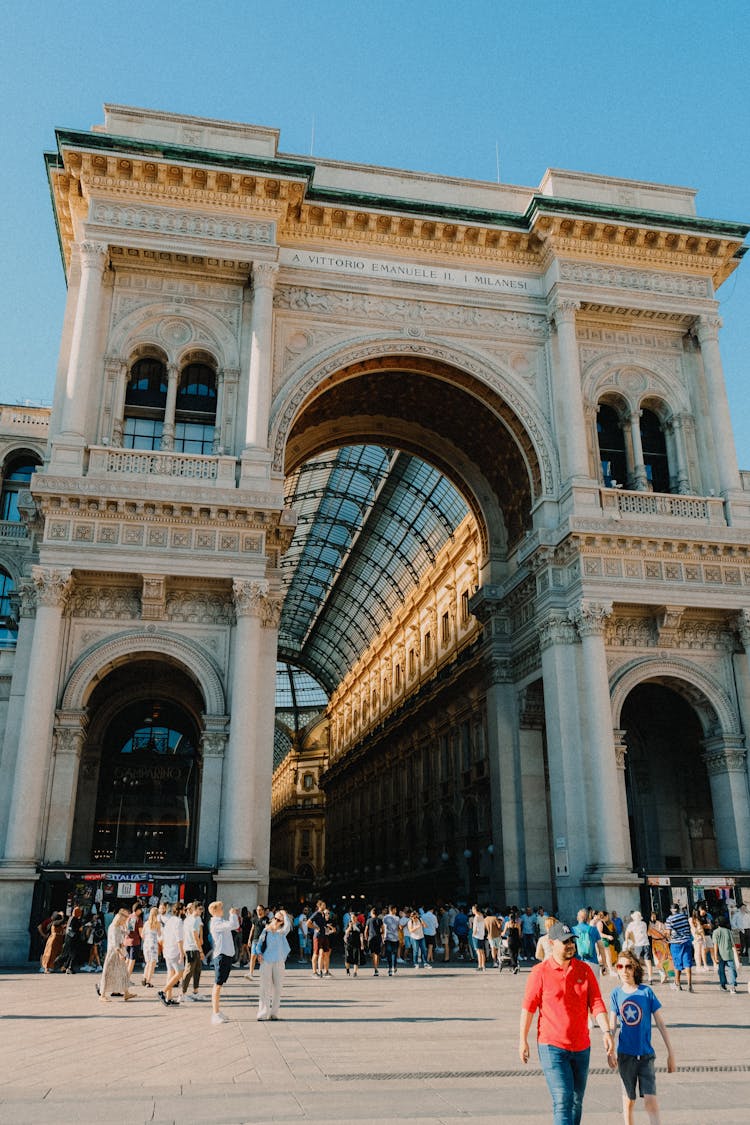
398	513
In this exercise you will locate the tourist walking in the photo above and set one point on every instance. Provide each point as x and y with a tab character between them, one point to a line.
512	935
563	990
588	942
174	954
699	943
192	942
71	950
256	932
353	945
724	954
636	940
115	979
634	1004
659	937
150	938
390	939
373	939
478	932
493	933
416	936
680	946
133	932
55	935
274	949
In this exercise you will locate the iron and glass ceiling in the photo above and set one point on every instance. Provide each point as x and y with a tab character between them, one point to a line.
370	522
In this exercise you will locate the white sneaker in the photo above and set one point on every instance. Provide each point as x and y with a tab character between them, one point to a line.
219	1017
189	996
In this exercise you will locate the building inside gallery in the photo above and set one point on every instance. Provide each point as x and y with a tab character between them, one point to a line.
385	537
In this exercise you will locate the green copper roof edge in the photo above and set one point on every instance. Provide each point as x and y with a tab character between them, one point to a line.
53	161
303	170
553	205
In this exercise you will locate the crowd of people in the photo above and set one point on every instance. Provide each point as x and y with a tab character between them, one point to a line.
562	990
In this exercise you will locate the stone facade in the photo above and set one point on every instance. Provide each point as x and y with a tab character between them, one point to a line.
491	330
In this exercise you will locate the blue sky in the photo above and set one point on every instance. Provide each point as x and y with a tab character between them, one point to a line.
655	90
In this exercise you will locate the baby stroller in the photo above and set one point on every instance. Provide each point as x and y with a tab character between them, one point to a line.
504	959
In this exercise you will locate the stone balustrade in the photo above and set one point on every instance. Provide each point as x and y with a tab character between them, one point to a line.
623	504
12	530
105	461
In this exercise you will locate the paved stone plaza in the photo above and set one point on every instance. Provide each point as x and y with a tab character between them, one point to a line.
437	1046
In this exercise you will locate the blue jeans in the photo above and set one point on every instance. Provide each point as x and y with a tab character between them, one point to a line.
420	950
391	955
727	967
566	1073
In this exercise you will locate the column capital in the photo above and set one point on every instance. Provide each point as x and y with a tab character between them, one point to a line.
70	732
52	585
556	629
590	618
707	328
742	626
563	311
93	255
23	599
248	596
621	748
213	744
264	275
720	756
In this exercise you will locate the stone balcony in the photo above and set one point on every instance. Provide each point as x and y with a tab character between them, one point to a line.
12	531
622	504
108	462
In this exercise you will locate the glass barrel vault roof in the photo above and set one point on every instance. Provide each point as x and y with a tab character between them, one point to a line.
370	522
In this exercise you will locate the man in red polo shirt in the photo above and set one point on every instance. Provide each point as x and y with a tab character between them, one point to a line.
563	990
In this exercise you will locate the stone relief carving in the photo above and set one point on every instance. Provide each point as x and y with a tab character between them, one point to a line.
202	609
52	586
400	310
620	278
112	603
184	224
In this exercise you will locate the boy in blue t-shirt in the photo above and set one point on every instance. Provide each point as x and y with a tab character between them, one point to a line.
635	1003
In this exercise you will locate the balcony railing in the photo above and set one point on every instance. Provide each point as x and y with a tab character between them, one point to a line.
10	529
626	505
105	461
23	417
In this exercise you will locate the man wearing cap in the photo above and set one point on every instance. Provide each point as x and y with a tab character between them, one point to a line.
563	989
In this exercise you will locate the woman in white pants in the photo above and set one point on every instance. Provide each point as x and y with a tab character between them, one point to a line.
274	950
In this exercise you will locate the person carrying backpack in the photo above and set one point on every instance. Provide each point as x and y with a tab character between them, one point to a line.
589	947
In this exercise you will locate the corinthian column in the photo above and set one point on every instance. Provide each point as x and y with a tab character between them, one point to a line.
213	749
69	737
639	480
568	397
607	782
725	759
78	384
173	379
27	803
707	331
261	344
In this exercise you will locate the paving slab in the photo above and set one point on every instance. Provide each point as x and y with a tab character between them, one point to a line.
438	1046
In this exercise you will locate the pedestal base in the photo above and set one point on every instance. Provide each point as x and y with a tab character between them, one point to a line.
241	886
16	894
612	889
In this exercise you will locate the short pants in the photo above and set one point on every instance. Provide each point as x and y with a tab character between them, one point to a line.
222	968
174	966
682	954
637	1070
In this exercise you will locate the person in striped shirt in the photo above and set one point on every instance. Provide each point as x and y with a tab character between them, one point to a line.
680	946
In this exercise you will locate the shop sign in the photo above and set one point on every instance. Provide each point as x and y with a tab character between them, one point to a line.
714	881
659	881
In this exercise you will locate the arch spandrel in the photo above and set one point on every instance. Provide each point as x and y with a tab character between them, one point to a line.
174	332
619	374
316	410
99	660
711	702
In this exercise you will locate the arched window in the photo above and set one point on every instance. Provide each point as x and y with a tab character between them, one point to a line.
195	412
654	451
611	446
145	400
147	804
16	477
8	633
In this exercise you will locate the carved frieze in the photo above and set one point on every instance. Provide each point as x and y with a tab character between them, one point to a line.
112	603
181	224
649	281
368	308
187	606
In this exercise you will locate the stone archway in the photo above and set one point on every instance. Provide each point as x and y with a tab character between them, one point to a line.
685	774
450	409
